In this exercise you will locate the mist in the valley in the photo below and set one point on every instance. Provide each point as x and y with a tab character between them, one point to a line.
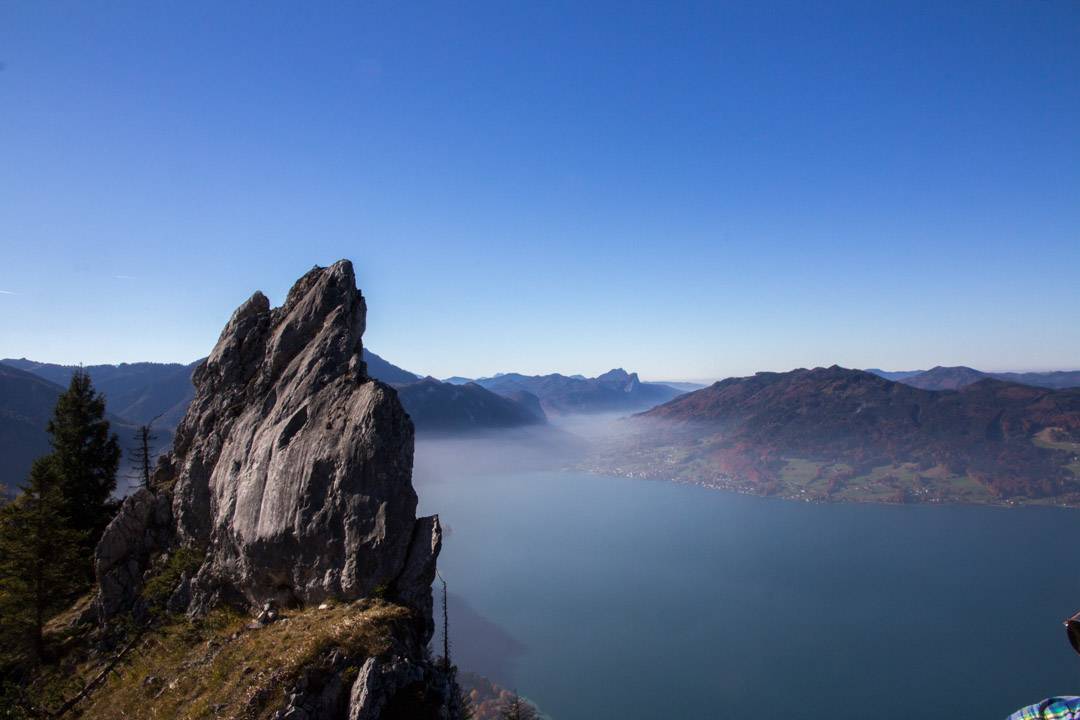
564	442
444	466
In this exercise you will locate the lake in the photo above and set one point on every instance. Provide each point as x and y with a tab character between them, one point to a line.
602	597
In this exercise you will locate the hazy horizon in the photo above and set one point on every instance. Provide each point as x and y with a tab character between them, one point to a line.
571	372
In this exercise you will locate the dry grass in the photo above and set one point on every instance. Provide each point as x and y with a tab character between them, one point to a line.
219	668
1055	439
61	623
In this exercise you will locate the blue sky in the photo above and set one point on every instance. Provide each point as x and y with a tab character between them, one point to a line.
687	190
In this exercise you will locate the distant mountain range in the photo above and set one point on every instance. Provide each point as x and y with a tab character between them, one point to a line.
680	385
954	378
614	391
444	407
945	378
949	433
26	405
436	406
531	397
894	374
839	434
138	393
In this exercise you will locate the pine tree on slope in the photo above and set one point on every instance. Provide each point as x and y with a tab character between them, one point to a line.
87	456
42	562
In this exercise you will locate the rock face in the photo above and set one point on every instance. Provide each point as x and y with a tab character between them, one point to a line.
388	687
292	467
290	483
380	685
141	528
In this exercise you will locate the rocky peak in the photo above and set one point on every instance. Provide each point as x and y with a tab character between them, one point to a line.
313	338
292	467
625	381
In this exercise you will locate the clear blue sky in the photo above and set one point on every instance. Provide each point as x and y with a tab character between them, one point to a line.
689	191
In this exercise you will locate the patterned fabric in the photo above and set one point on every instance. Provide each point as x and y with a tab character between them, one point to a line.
1060	708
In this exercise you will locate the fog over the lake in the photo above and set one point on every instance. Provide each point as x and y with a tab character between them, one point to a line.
565	585
441	461
562	443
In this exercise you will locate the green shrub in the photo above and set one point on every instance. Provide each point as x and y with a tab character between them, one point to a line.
162	583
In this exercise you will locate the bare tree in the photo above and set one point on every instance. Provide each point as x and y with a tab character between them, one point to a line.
144	437
518	709
459	703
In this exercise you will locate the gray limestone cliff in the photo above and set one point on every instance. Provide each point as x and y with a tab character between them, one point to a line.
292	469
290	484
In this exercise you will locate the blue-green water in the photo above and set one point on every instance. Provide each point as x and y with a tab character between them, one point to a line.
601	597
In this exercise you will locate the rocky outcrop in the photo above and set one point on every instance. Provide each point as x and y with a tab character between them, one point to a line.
292	466
393	686
142	528
413	584
398	687
290	484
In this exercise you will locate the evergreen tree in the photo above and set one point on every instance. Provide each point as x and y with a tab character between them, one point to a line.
42	561
87	456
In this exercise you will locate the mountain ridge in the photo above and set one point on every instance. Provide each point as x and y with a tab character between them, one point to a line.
952	377
138	392
835	433
27	404
133	387
613	391
444	407
27	401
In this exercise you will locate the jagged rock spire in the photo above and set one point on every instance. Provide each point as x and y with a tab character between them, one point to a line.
292	467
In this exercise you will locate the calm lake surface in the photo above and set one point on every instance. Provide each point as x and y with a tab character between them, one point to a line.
601	597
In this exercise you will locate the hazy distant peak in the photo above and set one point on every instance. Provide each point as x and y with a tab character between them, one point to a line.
894	374
945	378
615	390
437	406
620	377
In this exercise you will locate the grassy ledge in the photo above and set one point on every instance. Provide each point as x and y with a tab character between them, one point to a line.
224	667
